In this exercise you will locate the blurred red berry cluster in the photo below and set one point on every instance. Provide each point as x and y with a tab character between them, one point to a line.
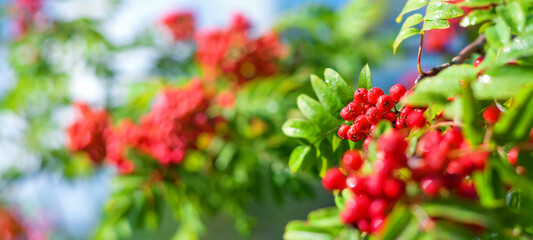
10	227
231	53
87	133
26	14
181	25
173	124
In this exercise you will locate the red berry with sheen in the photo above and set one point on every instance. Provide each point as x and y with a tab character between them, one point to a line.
478	61
376	223
373	95
333	179
416	119
512	156
397	91
431	186
378	207
352	160
356	184
360	95
354	134
491	114
347	114
385	103
343	132
362	124
374	115
393	188
363	225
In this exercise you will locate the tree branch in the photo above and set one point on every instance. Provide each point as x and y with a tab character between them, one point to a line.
471	48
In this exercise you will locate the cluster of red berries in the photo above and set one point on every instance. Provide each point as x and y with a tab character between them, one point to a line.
373	195
87	133
10	227
176	119
441	161
180	25
367	109
446	160
233	54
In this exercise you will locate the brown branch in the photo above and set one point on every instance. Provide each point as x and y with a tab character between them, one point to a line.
471	48
418	65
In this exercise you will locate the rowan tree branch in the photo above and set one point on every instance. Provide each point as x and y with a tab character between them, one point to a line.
464	54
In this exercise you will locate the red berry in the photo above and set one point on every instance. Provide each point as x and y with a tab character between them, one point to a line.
390	116
478	61
348	216
333	179
362	124
452	137
467	190
393	188
356	184
366	106
356	108
347	114
367	142
512	156
343	132
385	103
392	142
428	141
378	207
374	185
431	185
376	223
416	119
374	115
373	95
360	95
491	114
397	91
354	134
457	168
400	123
405	111
360	204
352	160
363	225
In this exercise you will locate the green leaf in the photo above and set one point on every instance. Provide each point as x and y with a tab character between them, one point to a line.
299	128
435	24
365	78
498	35
419	98
410	6
396	222
407	31
502	82
298	157
459	212
513	14
315	112
521	46
404	34
442	10
476	17
325	217
516	123
343	91
448	81
480	3
300	230
487	183
326	96
471	118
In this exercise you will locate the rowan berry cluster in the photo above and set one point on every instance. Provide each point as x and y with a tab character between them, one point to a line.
87	133
374	194
367	109
27	13
176	119
180	25
233	54
441	162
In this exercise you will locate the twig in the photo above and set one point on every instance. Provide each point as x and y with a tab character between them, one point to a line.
418	66
471	48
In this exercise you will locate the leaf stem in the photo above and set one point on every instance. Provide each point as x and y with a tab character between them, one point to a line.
418	66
